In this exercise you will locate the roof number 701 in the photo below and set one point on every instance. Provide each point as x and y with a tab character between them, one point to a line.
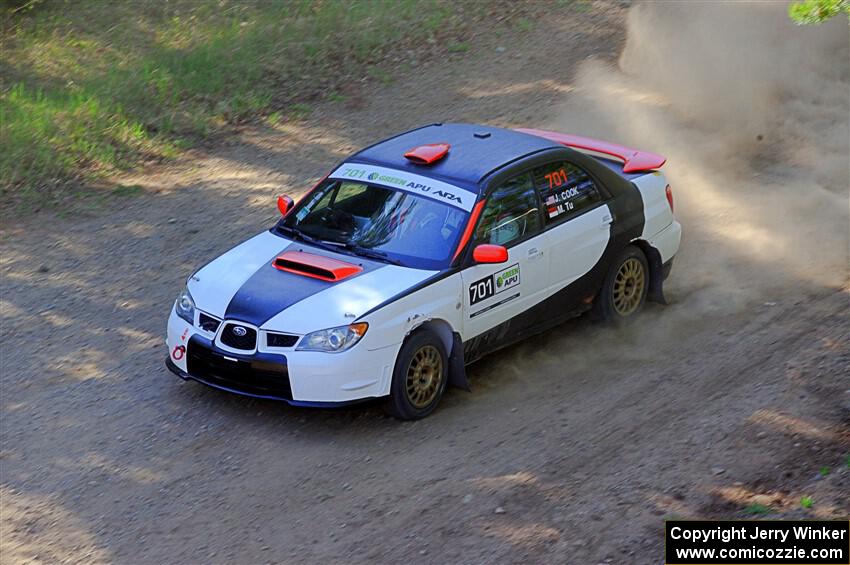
557	178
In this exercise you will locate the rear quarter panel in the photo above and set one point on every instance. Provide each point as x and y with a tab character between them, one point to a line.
657	214
660	229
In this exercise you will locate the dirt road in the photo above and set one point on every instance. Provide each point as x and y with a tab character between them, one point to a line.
572	447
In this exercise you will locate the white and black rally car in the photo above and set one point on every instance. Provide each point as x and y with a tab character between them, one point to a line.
419	254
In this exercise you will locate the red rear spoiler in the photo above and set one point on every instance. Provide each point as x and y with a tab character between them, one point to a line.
633	160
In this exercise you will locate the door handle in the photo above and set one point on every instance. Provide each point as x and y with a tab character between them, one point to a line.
534	253
607	220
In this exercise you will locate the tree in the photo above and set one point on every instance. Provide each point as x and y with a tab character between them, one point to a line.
817	11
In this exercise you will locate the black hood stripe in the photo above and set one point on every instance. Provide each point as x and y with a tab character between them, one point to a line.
269	291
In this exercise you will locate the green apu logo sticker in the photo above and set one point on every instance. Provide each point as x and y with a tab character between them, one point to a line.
507	277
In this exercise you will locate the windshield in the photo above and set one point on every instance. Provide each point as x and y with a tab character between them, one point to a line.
379	222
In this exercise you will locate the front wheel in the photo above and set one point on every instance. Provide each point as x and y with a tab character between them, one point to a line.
626	285
419	377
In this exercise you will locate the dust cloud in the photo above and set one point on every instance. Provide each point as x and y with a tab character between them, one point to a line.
752	112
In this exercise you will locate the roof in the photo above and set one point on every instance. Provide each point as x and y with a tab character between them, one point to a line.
472	156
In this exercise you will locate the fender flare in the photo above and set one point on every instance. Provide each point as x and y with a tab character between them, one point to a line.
656	271
454	346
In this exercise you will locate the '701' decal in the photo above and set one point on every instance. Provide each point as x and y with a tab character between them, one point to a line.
492	285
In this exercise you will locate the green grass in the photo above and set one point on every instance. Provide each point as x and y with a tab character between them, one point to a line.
524	24
127	190
300	111
380	74
758	509
459	47
274	118
807	502
578	5
817	11
89	87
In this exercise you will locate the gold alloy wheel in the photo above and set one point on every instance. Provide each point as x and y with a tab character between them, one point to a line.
628	286
424	376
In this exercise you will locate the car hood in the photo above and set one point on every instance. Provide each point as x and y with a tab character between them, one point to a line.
244	284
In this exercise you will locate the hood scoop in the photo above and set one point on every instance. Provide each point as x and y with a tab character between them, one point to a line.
315	266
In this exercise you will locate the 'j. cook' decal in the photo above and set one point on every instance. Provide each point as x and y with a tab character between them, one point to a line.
415	184
494	284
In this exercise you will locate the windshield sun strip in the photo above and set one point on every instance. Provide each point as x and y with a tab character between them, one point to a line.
419	185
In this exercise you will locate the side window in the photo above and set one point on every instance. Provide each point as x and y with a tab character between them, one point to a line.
565	190
511	213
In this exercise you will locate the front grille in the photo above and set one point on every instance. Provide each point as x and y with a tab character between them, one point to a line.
231	339
261	378
207	322
280	340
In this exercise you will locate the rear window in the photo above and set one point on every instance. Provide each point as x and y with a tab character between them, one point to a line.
566	190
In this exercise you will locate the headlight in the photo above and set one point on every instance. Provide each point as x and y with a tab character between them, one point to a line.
185	306
333	340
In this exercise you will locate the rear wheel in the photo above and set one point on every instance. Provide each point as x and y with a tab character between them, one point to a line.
419	377
624	291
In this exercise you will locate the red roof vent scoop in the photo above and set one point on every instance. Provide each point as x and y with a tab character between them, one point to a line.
427	154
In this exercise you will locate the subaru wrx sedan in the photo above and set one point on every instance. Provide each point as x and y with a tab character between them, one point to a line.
418	255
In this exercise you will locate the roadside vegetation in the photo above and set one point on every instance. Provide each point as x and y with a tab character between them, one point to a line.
91	87
817	11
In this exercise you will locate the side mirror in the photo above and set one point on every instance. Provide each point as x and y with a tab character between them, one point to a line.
489	253
284	204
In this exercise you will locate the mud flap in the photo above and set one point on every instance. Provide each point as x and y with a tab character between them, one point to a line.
457	367
656	293
656	276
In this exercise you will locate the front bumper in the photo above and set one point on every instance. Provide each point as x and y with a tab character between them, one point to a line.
243	392
265	376
302	378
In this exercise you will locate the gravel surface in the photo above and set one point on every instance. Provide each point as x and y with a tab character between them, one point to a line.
571	448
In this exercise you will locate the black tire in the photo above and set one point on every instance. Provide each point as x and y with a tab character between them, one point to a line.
619	301
419	397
